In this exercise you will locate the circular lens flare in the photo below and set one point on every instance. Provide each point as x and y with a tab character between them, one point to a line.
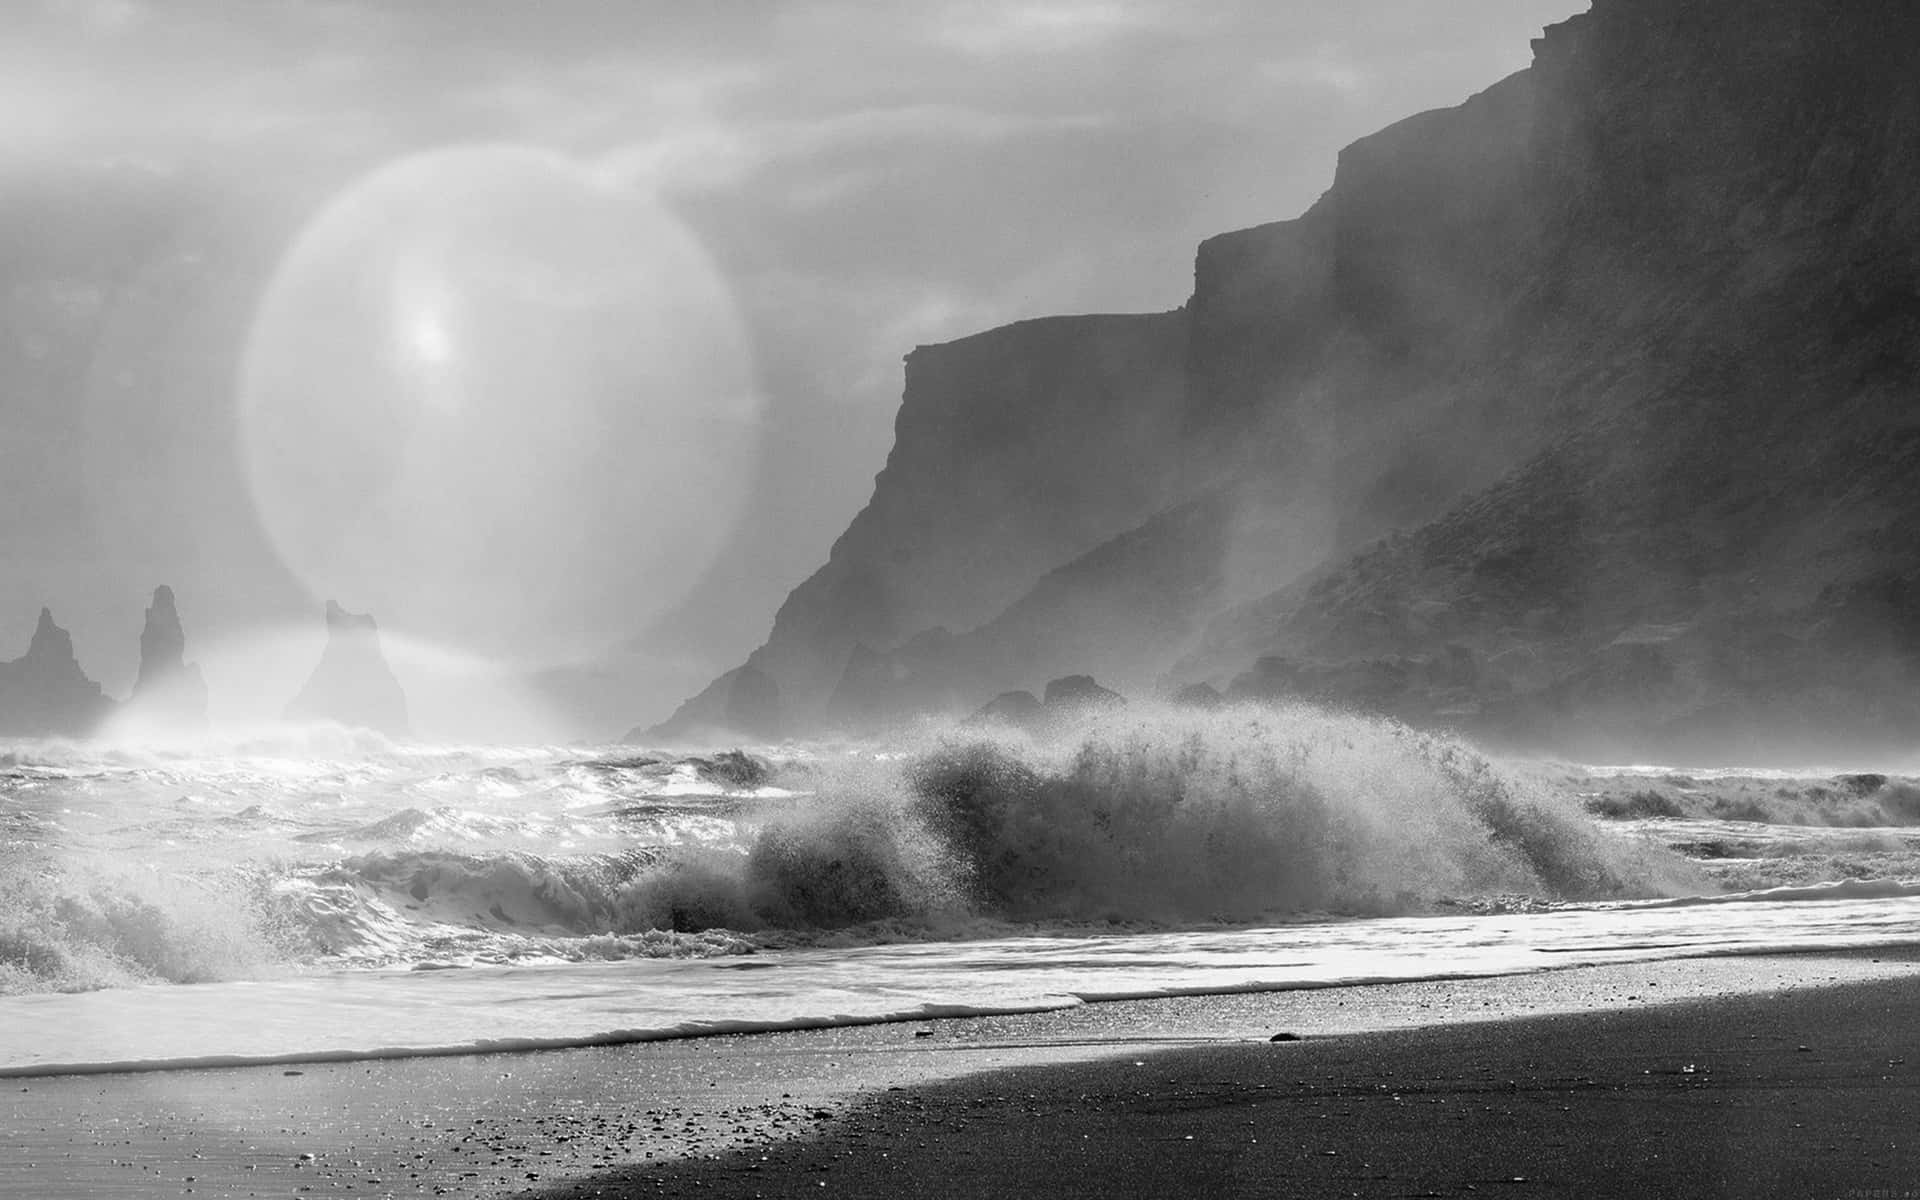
498	402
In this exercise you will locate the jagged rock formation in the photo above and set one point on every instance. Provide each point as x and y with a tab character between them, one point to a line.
169	692
353	685
44	693
1579	415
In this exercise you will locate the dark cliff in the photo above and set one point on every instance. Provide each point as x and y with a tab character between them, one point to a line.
1014	451
1584	413
44	693
1715	553
352	685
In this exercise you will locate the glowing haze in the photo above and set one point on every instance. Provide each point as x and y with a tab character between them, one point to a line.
565	338
500	401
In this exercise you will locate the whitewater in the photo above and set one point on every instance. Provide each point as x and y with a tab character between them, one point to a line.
315	895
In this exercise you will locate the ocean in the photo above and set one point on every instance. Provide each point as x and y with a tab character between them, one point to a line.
315	895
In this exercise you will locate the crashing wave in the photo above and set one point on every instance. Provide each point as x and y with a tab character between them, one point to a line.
1239	816
410	855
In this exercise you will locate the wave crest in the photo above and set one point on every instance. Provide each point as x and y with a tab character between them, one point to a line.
1232	816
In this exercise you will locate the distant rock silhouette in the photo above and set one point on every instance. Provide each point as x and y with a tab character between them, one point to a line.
45	693
1203	696
742	704
169	692
1080	694
1022	710
1067	698
753	704
353	685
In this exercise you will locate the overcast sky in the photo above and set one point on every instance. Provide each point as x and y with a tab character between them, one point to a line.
859	178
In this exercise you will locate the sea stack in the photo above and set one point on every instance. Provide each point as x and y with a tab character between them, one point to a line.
169	692
353	685
45	693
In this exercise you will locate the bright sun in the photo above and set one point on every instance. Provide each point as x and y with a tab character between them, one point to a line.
427	333
501	403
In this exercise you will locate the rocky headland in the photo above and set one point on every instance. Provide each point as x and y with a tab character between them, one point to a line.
1578	417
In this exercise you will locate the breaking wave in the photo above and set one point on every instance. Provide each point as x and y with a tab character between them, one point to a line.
1237	816
376	855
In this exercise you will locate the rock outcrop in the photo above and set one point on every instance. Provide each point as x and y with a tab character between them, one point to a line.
353	685
169	693
1075	694
1067	699
44	693
1020	709
1578	416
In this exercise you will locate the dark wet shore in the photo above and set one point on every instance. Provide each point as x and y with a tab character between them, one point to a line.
1812	1092
1570	1082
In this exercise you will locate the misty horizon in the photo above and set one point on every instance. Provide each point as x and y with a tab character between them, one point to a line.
191	173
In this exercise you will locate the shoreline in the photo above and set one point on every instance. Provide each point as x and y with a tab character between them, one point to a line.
747	1111
1807	1091
348	1016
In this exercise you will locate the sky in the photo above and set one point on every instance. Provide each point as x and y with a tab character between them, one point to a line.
566	337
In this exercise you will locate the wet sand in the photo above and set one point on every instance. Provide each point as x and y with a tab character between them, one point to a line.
1681	1077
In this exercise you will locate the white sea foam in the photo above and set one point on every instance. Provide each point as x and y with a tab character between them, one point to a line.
614	895
349	1015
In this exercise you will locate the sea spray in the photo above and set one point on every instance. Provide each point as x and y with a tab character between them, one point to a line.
854	851
124	865
1237	816
68	930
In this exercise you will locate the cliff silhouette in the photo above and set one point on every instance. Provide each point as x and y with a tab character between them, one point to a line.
1579	416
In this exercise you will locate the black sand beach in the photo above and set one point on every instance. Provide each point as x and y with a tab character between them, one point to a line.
1812	1092
1788	1075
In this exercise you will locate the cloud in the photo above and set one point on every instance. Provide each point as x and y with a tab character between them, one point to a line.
712	155
997	27
97	16
1326	68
